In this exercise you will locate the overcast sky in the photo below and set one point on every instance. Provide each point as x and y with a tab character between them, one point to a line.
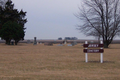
51	19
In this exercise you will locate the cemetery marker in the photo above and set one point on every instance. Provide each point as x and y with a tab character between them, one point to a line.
35	41
86	50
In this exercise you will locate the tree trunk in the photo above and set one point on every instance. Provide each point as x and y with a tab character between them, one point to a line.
106	44
16	41
8	42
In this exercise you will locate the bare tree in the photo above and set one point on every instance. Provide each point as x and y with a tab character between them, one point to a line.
100	18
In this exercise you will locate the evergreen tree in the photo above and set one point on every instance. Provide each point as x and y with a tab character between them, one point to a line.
12	30
9	15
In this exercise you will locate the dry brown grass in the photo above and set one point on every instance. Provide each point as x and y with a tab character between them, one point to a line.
39	62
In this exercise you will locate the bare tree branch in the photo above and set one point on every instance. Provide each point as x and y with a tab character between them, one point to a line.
100	18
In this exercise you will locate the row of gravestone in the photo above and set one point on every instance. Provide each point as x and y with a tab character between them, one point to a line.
51	44
34	42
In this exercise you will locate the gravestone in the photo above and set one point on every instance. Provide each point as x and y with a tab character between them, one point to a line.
65	42
74	43
70	45
28	41
60	44
35	41
91	42
12	42
48	44
40	42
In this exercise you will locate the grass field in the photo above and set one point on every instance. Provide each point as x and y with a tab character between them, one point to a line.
39	62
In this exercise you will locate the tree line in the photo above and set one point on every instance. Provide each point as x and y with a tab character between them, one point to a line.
12	22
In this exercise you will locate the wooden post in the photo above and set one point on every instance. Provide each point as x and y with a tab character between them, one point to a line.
101	55
86	54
